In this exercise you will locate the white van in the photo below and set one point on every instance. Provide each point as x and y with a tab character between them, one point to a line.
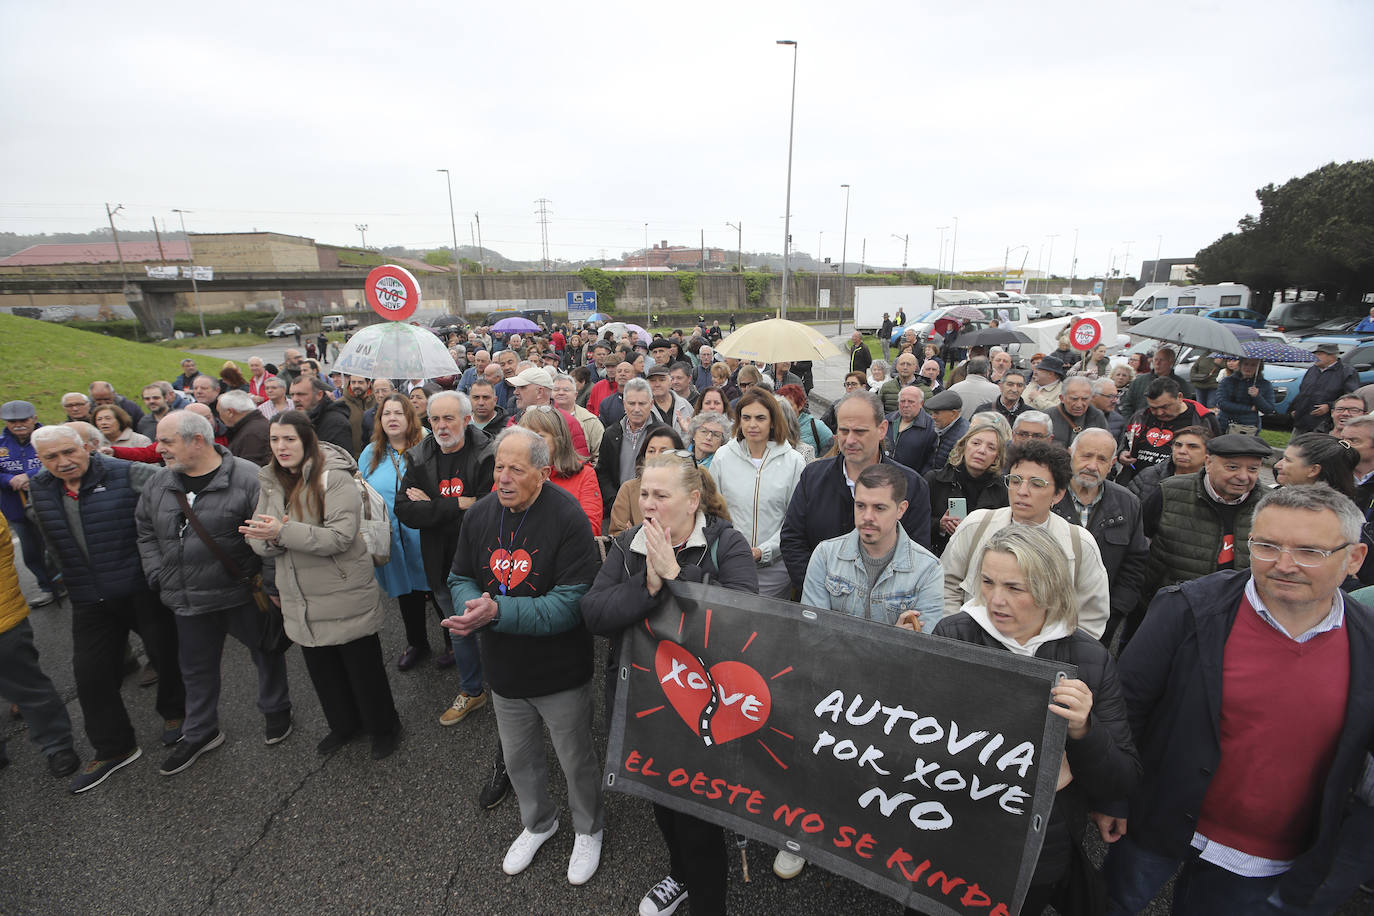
1216	295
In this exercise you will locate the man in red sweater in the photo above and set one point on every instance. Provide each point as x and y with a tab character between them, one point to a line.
1251	698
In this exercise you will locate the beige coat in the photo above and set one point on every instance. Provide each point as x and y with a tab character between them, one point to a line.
329	595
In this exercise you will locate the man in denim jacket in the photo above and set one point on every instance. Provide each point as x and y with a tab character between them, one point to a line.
876	571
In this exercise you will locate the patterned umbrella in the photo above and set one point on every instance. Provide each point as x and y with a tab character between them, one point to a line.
965	313
1271	351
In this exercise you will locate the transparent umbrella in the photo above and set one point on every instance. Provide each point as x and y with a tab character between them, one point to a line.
394	349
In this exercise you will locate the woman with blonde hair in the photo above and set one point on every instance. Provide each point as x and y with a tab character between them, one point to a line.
973	476
1025	606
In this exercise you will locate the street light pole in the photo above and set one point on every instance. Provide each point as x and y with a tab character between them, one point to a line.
457	262
905	241
481	252
1049	270
362	230
739	245
844	249
940	261
787	213
1073	267
195	290
954	246
820	240
1159	244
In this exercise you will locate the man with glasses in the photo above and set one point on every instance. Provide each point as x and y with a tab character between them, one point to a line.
1105	399
1152	428
1199	523
1039	476
1031	426
1250	701
1346	408
1008	403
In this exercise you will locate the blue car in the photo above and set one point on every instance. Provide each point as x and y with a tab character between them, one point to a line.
1246	317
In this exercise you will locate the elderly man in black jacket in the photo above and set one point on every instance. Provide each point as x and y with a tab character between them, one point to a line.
911	438
1251	700
1321	386
1112	516
329	417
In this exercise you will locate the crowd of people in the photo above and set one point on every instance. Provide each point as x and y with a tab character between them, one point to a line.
545	493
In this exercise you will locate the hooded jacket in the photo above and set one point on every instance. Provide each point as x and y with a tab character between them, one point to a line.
329	595
332	424
758	497
187	576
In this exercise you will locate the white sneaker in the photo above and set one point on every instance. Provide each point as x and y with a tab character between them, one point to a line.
521	852
663	898
586	856
788	865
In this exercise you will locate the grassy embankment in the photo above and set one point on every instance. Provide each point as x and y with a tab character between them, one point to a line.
43	361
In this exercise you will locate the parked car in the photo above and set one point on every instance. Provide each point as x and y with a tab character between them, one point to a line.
285	329
1246	317
1306	314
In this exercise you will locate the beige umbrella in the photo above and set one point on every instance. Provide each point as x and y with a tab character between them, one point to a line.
777	340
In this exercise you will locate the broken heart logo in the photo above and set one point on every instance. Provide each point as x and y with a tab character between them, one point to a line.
510	569
727	701
1157	437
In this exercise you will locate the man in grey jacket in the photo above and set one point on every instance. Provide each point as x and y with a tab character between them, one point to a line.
209	602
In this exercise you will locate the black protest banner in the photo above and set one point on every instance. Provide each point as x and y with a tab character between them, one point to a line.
920	767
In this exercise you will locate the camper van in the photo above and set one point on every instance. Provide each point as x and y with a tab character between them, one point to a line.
1156	300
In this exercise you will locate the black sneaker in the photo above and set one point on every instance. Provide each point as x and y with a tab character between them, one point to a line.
332	742
498	786
63	763
188	752
663	898
97	771
383	746
278	727
171	731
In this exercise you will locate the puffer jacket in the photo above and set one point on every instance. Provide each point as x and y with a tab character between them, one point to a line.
1105	764
758	498
1187	528
187	576
16	458
13	607
329	595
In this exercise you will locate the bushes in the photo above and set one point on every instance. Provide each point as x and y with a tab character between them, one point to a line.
188	322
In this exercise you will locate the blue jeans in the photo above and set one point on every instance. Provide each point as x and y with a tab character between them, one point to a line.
1135	875
23	683
465	652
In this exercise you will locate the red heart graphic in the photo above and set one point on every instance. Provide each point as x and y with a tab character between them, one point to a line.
728	702
509	568
1157	437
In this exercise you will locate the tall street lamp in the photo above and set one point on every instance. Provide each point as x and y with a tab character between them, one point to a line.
457	262
362	230
787	213
195	290
844	248
953	248
940	262
739	244
906	240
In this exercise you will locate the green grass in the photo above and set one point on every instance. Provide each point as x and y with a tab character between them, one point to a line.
1276	437
223	342
43	361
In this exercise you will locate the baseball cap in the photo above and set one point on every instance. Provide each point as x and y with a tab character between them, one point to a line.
532	376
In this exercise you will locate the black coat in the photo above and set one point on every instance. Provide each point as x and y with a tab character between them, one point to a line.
248	439
1062	430
1117	525
608	460
1105	764
1171	676
439	519
914	445
331	421
1321	387
946	482
860	358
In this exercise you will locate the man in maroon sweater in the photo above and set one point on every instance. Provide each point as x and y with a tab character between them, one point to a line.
1251	698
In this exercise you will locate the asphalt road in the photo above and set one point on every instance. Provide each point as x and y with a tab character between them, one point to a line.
256	829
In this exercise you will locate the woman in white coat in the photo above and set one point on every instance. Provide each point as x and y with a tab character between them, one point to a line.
756	472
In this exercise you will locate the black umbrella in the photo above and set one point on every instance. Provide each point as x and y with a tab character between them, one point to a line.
993	337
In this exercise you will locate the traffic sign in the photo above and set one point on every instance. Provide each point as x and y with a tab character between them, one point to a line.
581	303
392	291
1085	333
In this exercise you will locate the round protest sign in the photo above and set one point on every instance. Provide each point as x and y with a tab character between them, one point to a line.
392	292
1085	334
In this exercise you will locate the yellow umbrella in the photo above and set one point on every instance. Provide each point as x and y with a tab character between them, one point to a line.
777	340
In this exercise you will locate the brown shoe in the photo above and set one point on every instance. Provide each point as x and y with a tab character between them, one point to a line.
462	705
148	676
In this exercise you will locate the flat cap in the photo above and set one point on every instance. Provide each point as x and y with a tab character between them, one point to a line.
657	342
656	369
17	410
1235	445
945	400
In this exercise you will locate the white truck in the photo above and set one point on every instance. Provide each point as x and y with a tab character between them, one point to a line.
871	301
1156	300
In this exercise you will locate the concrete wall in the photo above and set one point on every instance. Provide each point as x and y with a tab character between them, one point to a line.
263	252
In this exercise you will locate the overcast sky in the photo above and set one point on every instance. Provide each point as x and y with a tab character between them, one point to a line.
1123	122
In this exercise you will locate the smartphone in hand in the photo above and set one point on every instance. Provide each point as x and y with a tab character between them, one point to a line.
958	507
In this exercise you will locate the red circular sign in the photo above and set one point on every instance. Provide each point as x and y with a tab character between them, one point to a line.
392	292
1084	334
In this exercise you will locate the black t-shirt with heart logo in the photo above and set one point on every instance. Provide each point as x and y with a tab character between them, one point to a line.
527	555
1150	439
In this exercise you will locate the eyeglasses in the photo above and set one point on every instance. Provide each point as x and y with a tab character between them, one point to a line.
679	453
712	433
1037	483
1303	556
1347	410
1023	434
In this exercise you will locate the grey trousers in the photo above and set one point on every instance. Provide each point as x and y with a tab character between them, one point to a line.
568	716
23	683
200	647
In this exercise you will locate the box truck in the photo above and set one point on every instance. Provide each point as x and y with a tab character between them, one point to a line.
871	301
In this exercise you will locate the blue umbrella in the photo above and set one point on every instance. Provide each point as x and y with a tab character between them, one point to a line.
1271	351
598	316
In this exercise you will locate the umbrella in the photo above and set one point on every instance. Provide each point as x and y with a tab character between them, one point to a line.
988	337
515	325
1272	351
394	349
597	316
777	340
1191	330
965	313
